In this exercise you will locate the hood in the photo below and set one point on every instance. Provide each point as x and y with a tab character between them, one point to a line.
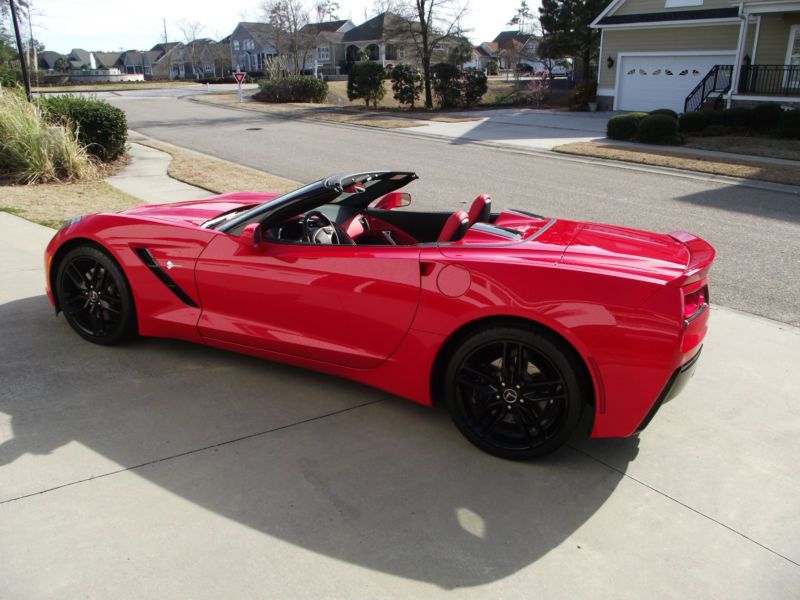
653	256
197	212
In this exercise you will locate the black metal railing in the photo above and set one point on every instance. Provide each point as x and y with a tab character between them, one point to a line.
714	84
770	80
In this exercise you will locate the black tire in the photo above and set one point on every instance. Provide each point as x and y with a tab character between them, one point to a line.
514	409
95	297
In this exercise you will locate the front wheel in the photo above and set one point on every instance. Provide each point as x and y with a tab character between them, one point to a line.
95	297
513	392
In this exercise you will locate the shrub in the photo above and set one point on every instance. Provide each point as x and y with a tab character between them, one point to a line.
8	77
789	125
714	117
295	88
665	111
492	67
102	128
737	117
406	84
583	93
622	127
34	150
692	122
766	116
658	129
473	86
365	80
446	85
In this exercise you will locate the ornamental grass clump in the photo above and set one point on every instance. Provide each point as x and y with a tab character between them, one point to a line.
32	150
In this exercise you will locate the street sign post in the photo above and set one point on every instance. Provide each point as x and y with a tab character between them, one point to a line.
239	77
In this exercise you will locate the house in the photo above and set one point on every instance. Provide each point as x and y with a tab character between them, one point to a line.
516	48
201	58
326	45
690	54
47	60
251	44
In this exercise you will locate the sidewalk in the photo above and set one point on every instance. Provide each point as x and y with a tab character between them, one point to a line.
146	176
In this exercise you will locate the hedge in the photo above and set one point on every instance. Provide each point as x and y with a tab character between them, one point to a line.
101	128
693	122
766	116
295	88
622	127
658	129
665	111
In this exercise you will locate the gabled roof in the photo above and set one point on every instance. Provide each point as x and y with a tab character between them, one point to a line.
505	39
163	47
107	59
263	33
315	28
375	29
674	15
48	58
79	54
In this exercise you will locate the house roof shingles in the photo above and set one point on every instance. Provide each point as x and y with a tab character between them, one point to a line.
676	15
375	29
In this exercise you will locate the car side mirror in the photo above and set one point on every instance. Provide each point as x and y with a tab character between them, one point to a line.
394	200
251	236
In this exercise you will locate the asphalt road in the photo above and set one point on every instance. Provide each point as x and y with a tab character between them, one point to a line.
756	232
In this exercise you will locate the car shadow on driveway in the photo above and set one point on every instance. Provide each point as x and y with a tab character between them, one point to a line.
322	463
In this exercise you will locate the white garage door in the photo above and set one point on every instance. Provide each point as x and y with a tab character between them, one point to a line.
650	82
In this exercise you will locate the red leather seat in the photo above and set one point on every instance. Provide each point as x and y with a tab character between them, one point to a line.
455	227
481	209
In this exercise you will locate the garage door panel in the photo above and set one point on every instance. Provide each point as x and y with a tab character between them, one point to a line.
650	82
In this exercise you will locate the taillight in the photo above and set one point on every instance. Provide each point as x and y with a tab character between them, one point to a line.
695	301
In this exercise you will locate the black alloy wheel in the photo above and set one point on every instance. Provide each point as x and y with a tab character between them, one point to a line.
95	297
514	393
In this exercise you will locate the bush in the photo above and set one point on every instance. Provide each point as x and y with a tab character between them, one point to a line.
365	80
100	127
622	127
737	117
35	150
8	77
658	129
295	88
406	84
665	111
473	86
789	125
583	93
714	117
766	116
492	68
446	85
692	122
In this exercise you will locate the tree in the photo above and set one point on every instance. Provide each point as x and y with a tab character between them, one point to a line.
474	85
565	24
327	10
446	84
191	31
365	80
523	18
61	65
427	24
406	84
288	18
460	53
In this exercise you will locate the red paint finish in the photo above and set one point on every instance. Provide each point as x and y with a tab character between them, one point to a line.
380	314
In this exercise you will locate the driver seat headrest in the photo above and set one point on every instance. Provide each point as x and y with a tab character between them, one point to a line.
481	209
455	227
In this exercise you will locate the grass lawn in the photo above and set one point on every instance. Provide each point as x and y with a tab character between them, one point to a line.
218	176
754	146
122	85
730	168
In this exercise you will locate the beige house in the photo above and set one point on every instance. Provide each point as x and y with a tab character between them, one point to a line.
690	54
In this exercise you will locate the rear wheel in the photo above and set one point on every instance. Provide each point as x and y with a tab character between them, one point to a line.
95	296
513	392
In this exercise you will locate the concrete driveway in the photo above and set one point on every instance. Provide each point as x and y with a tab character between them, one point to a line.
163	469
524	127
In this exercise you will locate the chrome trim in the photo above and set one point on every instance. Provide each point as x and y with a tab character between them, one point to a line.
699	312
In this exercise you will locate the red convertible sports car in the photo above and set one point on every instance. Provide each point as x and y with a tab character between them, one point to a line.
517	322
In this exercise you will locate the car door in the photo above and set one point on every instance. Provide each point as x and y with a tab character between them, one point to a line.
346	305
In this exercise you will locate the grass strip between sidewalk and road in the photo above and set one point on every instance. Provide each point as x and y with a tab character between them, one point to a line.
216	175
776	173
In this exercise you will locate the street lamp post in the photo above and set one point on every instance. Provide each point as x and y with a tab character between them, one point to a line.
22	64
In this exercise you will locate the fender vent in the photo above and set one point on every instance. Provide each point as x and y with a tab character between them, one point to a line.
150	262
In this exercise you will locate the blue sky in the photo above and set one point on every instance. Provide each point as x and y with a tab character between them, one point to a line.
113	24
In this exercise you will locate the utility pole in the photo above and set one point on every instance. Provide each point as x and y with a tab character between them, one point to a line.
34	60
22	64
166	40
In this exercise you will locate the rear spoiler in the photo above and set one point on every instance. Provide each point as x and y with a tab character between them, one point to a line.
701	255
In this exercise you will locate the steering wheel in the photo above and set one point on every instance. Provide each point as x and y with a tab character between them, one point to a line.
319	229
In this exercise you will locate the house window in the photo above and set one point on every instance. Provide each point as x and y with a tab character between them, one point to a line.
680	3
323	52
235	44
401	53
249	45
391	52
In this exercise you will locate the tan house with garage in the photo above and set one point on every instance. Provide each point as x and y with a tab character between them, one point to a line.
690	54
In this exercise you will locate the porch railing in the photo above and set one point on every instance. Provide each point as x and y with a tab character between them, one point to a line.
770	80
713	85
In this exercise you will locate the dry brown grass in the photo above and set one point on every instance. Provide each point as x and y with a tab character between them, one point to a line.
754	146
216	175
51	204
730	168
100	87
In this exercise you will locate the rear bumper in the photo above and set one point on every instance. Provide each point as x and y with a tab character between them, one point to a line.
674	386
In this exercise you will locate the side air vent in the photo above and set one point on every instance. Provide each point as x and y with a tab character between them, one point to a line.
147	258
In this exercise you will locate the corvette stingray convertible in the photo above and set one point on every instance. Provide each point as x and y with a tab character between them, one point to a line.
518	323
